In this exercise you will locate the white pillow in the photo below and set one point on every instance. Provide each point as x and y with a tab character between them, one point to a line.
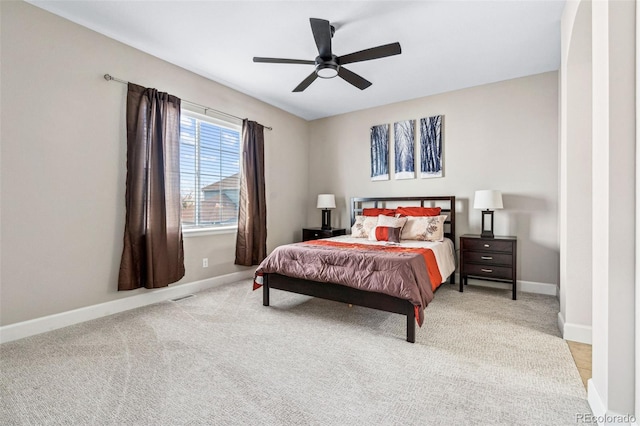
424	228
363	225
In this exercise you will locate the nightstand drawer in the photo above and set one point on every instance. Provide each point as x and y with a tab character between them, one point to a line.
487	244
317	233
489	258
309	234
489	271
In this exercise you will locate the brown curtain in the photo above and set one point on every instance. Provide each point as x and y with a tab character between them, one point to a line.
153	255
251	242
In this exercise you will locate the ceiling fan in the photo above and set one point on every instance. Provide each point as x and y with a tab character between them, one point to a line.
329	65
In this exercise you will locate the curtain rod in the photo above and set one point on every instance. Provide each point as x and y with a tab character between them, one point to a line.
108	77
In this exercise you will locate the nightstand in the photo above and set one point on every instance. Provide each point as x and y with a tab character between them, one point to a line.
317	233
491	259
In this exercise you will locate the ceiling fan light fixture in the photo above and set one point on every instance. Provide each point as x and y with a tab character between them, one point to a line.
327	70
328	65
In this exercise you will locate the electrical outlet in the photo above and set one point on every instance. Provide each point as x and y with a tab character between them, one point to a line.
205	262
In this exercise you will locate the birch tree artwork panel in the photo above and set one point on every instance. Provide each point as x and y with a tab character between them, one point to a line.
380	152
431	147
404	147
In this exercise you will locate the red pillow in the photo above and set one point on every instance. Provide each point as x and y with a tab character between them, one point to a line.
387	233
376	212
418	211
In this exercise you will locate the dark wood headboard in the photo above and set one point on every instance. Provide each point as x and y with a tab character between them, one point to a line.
446	203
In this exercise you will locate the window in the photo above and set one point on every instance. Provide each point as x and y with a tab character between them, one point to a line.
209	172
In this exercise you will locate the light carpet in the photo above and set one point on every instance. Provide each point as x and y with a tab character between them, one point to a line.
221	358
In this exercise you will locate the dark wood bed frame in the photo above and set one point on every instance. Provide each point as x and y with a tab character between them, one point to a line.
341	293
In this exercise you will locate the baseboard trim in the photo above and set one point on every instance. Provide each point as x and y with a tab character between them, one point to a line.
525	286
595	402
35	326
600	413
561	323
576	333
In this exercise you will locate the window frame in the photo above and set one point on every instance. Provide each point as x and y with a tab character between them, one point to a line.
228	124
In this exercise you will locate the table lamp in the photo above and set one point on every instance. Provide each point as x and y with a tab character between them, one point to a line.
487	200
326	202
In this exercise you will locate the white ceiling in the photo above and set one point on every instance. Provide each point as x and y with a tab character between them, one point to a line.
446	45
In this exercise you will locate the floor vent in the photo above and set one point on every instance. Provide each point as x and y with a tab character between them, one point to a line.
177	299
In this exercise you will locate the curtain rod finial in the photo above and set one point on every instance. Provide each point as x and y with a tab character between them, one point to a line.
108	77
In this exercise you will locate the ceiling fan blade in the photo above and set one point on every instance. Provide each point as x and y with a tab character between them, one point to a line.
321	29
353	78
369	54
282	61
306	82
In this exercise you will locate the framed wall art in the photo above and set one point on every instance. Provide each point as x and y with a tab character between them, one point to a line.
380	152
404	148
431	147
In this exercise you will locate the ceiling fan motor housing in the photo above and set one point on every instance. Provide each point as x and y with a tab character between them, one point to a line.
327	68
328	65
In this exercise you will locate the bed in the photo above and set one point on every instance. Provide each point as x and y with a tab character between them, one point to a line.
407	293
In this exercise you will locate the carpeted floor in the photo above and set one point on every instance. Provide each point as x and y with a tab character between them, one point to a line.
221	358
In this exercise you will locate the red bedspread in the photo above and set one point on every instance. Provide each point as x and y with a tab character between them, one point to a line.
407	273
429	258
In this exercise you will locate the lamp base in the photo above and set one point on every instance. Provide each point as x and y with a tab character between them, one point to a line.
487	224
326	220
486	234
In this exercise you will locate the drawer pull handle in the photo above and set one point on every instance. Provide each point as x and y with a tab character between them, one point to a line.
487	270
486	258
487	245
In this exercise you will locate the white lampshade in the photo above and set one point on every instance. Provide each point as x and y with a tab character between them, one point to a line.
326	201
487	199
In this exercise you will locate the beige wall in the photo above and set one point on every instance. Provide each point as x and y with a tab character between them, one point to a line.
64	163
498	136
